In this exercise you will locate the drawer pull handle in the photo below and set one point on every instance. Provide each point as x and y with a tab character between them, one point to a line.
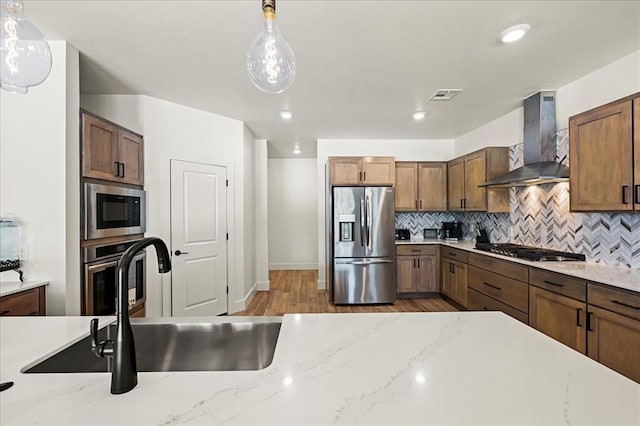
4	312
492	286
625	188
589	321
451	254
552	283
637	308
484	308
33	314
578	311
416	250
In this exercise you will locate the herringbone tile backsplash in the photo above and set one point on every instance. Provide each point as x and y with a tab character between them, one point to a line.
540	216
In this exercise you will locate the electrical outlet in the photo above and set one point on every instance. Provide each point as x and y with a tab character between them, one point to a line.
511	231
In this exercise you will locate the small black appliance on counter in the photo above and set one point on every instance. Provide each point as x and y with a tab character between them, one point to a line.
430	233
402	234
452	230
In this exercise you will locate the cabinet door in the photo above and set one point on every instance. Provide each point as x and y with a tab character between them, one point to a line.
132	157
460	283
426	274
378	170
432	186
636	150
406	187
455	182
405	267
345	170
100	150
600	149
614	340
447	272
559	317
475	171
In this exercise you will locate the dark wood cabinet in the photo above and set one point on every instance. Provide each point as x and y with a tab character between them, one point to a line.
110	152
454	273
603	153
559	317
362	170
28	302
417	270
465	174
421	186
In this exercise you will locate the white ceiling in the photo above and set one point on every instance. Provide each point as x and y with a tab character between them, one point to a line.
362	66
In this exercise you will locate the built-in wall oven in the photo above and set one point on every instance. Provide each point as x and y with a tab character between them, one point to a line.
99	280
112	211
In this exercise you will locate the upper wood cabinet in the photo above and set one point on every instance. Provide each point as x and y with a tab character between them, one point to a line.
362	170
110	152
604	171
421	186
465	174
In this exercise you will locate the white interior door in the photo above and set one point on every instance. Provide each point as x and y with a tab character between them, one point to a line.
198	239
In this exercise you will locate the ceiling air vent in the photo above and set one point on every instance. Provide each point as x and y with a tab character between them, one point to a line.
445	94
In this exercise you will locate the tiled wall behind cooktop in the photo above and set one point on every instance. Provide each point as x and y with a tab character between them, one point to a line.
540	216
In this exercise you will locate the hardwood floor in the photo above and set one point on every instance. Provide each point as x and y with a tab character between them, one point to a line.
296	292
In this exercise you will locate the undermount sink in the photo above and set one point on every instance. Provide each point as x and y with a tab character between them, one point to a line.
199	346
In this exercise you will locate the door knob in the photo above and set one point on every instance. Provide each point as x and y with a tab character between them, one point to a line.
178	252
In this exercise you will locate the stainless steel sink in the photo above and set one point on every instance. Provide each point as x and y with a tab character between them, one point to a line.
201	346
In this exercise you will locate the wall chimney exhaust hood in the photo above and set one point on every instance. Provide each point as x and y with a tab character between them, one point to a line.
539	146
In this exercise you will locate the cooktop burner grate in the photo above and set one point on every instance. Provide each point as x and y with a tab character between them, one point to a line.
535	254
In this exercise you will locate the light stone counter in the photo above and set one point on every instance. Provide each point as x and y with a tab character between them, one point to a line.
11	287
386	369
620	277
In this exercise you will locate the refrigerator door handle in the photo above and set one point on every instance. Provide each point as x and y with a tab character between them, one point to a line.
368	209
362	223
363	262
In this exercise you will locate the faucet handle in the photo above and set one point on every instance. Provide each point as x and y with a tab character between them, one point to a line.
102	349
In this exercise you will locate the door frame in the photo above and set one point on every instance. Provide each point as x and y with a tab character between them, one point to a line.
231	229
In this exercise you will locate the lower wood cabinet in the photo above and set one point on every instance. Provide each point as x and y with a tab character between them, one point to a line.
454	280
28	302
417	270
559	317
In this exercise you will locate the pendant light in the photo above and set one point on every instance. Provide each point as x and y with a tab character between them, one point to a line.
271	63
24	53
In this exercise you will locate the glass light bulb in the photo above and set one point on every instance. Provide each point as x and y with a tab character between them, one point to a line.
25	57
270	61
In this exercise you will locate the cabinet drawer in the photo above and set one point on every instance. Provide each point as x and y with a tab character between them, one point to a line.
503	267
615	300
558	283
482	302
506	290
411	250
24	303
455	254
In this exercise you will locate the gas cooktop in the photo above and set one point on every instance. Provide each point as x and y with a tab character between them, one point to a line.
535	254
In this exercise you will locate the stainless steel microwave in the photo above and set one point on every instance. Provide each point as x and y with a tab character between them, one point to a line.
113	211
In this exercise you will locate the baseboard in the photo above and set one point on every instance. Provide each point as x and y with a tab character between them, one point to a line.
322	285
292	266
241	305
263	285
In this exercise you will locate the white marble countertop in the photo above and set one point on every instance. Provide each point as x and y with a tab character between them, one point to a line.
615	276
11	287
386	369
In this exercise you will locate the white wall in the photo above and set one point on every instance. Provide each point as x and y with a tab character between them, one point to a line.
173	131
403	150
249	220
262	216
614	81
293	214
38	152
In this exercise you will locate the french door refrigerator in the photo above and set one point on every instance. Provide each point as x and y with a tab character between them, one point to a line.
364	252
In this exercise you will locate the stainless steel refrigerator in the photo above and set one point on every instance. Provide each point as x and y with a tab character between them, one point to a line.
364	252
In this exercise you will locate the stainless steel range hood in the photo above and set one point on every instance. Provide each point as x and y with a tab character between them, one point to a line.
539	146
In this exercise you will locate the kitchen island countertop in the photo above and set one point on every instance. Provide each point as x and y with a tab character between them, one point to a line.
614	276
405	368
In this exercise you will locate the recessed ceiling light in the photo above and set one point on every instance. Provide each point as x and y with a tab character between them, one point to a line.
514	33
286	115
419	115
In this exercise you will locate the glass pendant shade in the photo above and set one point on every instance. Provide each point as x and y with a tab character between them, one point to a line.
25	56
271	63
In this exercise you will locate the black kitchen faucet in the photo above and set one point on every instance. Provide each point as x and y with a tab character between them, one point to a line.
123	350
